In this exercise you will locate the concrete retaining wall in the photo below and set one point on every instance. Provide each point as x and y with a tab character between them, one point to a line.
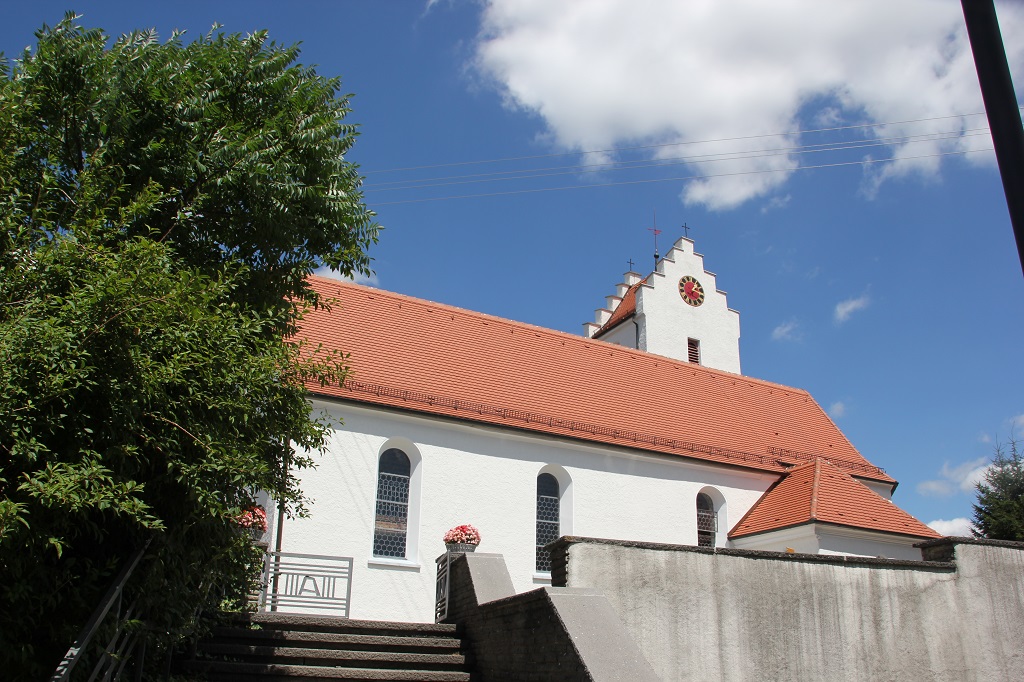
742	615
544	634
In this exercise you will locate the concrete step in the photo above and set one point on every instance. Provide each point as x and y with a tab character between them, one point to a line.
272	647
321	640
223	671
289	621
334	657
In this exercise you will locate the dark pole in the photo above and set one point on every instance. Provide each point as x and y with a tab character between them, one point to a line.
277	544
1001	107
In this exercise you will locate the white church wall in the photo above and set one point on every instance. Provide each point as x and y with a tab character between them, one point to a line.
881	488
464	473
624	334
800	539
667	321
817	538
857	542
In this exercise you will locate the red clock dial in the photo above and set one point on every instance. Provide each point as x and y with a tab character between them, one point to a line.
691	290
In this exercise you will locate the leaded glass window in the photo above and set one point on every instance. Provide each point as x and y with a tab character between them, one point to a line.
390	526
547	519
707	521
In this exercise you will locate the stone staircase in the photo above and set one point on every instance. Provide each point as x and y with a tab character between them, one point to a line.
270	647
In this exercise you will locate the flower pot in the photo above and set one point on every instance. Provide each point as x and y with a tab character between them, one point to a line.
459	547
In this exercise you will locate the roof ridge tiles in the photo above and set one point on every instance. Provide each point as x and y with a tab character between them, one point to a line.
802	465
814	489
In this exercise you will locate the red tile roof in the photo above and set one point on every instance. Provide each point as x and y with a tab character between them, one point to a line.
624	311
416	355
821	492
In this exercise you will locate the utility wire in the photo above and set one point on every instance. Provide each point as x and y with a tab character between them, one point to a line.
672	144
667	160
661	163
863	162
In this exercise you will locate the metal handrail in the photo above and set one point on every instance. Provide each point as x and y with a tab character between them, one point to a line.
63	671
444	567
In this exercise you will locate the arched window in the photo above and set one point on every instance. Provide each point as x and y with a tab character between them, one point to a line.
707	521
390	526
547	519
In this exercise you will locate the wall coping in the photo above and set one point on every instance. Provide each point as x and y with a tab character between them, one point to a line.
562	545
957	540
944	549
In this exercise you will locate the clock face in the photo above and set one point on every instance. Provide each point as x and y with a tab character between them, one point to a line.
691	291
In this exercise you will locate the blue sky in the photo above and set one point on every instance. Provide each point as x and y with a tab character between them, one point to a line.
891	290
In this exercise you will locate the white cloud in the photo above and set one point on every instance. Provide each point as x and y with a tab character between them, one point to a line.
1016	424
958	527
829	117
787	331
325	271
984	438
776	202
837	409
606	73
935	488
967	475
963	477
848	307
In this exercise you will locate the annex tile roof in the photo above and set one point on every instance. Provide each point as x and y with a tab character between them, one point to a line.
822	492
412	354
625	310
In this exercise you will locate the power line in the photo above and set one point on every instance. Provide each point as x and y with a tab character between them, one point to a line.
671	144
615	165
662	163
863	162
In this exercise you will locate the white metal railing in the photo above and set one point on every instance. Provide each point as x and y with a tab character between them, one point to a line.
306	581
444	564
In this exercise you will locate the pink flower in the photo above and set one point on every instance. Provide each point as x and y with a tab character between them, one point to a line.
256	517
464	534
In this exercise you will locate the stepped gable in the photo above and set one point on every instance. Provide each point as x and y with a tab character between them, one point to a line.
625	310
821	492
412	354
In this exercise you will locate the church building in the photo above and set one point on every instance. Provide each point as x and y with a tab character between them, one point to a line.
641	429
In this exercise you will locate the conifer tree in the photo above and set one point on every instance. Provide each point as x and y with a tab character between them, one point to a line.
999	511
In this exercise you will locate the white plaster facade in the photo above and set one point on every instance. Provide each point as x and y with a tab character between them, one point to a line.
663	322
823	538
486	476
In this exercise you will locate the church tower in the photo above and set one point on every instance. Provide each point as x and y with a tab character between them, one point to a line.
676	311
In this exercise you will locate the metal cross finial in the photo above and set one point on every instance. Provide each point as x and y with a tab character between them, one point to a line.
631	265
686	230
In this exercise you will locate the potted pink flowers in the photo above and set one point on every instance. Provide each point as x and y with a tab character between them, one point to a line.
255	521
462	539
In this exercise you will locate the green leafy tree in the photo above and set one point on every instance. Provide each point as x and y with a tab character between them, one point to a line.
999	511
161	205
